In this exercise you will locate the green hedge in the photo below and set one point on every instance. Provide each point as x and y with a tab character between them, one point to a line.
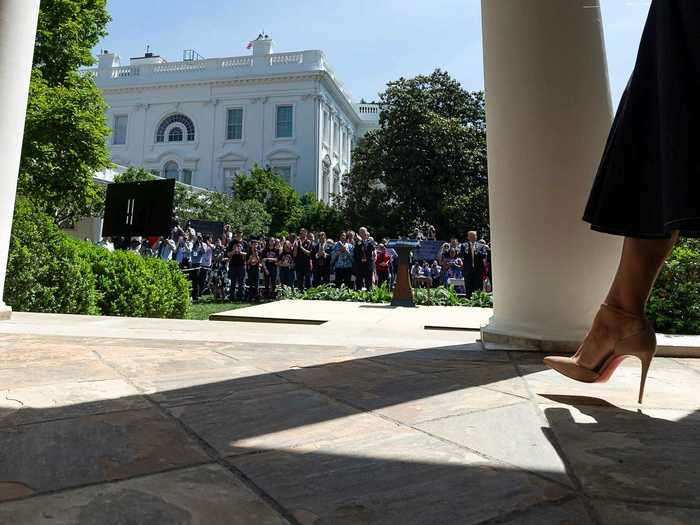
129	285
674	305
51	272
44	272
440	296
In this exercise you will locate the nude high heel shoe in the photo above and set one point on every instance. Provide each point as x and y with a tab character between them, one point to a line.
641	344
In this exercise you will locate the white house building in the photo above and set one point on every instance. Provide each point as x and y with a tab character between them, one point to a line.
201	121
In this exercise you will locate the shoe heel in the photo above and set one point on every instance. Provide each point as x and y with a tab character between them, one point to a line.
643	347
646	362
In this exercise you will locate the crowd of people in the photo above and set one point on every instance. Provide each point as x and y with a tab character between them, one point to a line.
231	266
465	265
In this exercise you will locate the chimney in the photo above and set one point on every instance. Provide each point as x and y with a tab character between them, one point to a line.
262	45
106	61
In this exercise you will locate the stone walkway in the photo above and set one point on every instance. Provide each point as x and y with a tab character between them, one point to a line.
164	431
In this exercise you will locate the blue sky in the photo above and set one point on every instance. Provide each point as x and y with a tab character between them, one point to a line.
369	42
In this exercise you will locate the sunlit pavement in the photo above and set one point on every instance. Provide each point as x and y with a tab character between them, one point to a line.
102	425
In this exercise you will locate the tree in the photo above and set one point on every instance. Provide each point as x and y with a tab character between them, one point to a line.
248	216
67	30
426	163
279	198
65	132
318	216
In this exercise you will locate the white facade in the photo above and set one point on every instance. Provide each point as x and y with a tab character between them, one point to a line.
203	121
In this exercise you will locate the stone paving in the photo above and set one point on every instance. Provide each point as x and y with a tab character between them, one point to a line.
160	431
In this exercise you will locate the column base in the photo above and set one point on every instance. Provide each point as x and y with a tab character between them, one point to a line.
494	339
5	312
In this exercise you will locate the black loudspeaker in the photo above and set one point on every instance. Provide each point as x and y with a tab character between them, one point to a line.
139	209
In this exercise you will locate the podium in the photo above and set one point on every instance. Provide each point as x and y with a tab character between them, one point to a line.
403	293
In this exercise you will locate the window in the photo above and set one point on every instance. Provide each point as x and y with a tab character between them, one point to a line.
175	119
119	131
175	135
326	127
285	172
171	170
187	177
234	126
284	127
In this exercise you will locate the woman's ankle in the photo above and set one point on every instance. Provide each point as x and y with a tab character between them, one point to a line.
616	323
623	307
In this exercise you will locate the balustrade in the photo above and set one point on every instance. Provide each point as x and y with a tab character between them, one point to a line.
125	71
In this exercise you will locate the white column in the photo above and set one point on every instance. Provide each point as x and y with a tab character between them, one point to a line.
17	31
548	114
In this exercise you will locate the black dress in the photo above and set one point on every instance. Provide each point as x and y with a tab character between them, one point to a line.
648	182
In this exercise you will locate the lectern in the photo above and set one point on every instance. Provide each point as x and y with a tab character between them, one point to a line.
403	293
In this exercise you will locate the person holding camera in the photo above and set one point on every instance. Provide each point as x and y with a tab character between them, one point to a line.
237	253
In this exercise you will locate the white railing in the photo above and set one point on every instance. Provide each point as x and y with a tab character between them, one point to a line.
309	60
368	108
180	67
125	71
286	58
235	62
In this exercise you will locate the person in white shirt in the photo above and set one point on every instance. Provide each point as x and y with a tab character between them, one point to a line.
106	243
207	252
183	251
205	262
165	248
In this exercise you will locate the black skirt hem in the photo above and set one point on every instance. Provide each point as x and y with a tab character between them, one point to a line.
666	234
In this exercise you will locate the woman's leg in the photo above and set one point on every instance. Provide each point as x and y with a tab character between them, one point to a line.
640	264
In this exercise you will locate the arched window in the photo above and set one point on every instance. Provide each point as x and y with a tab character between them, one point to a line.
175	134
171	170
175	119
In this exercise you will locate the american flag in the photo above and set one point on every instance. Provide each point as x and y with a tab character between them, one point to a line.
250	44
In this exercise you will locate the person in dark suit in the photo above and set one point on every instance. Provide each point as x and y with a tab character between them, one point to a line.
472	253
364	253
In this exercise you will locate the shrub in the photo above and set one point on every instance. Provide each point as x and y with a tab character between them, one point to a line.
480	300
45	272
129	285
674	305
51	272
168	292
440	296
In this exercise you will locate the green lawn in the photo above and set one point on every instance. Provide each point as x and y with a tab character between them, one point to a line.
206	307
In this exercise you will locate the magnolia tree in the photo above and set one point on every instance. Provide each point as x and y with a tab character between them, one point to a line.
426	163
